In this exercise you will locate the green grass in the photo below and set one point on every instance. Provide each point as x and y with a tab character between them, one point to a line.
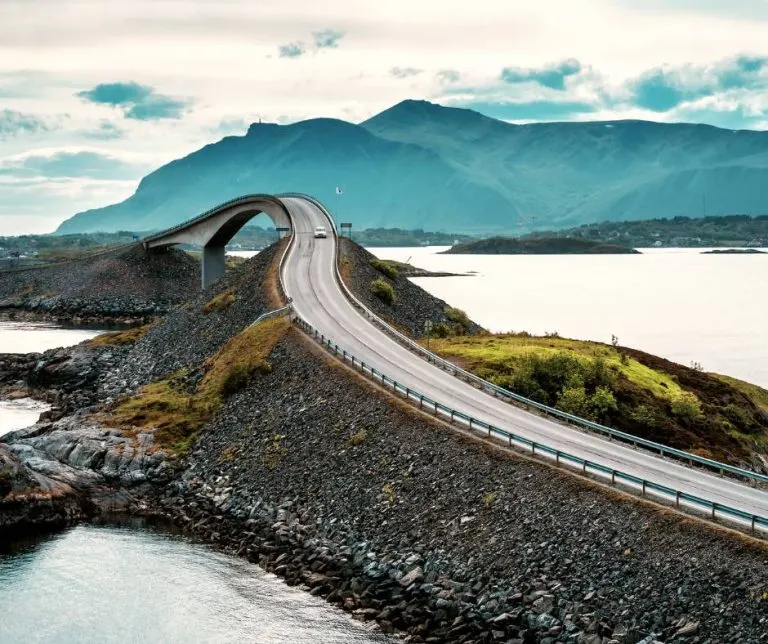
758	395
385	268
507	351
383	290
220	302
119	338
177	410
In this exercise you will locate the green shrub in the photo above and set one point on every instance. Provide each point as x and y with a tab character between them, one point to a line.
383	290
573	400
645	415
739	416
441	330
601	402
459	317
385	268
235	380
686	406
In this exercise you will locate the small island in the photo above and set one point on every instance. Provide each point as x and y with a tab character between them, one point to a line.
539	246
734	251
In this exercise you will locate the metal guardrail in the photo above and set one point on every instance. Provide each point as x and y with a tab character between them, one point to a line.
682	500
282	311
635	441
489	387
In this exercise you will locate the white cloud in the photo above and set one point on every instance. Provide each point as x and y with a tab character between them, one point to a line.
223	57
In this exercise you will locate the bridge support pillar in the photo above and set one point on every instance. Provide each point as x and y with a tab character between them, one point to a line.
214	264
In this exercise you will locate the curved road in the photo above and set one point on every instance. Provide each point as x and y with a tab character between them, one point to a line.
309	278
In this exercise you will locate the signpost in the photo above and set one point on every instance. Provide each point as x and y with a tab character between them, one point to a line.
348	227
428	330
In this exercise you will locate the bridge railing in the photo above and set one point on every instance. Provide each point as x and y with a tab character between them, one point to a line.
637	485
500	392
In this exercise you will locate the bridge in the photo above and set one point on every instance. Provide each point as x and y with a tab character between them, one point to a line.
322	305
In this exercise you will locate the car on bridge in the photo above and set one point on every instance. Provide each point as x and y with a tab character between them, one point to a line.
320	232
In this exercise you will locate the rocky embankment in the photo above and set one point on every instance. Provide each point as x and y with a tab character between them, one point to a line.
333	485
125	286
412	305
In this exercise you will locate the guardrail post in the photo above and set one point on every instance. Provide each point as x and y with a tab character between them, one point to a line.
452	414
421	402
754	519
470	423
714	507
644	482
613	477
584	466
407	393
677	498
557	454
533	447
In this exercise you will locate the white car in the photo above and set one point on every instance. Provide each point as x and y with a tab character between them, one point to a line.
320	232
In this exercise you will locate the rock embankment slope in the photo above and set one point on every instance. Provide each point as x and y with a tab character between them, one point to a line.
124	285
331	483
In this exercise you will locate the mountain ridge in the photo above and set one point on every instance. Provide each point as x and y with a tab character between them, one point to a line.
423	165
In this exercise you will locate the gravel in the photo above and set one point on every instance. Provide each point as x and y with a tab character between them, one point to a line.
320	462
412	307
124	285
189	336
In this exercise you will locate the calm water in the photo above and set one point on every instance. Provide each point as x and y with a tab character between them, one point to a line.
119	584
676	303
116	584
15	414
27	337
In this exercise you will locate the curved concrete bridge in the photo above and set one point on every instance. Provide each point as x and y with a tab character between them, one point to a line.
213	229
310	279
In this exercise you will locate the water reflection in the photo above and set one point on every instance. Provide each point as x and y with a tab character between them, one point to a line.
122	584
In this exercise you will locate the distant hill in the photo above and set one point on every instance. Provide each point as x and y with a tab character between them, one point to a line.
420	165
538	246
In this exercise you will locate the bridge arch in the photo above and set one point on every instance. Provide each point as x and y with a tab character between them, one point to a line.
213	229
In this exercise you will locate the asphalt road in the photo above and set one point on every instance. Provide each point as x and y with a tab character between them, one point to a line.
309	277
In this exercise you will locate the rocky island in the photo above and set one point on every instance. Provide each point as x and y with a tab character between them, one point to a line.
539	246
258	442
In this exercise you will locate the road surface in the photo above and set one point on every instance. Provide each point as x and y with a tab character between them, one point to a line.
309	278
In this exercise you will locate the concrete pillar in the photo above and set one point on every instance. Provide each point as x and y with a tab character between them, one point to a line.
214	264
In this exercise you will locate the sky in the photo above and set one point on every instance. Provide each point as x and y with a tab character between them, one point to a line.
95	94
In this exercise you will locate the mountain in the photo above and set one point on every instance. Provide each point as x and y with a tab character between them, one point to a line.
421	165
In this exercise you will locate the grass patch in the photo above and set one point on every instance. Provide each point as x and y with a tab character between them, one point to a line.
178	407
120	338
383	290
385	268
626	389
493	353
220	302
358	438
757	394
274	452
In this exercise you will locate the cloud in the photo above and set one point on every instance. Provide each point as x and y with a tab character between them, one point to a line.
64	164
138	102
327	38
404	72
665	88
105	131
292	50
13	123
552	76
528	111
448	76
